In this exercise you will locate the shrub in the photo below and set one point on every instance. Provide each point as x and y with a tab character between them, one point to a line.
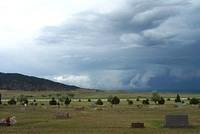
138	99
115	100
194	101
178	98
99	102
89	100
145	102
67	101
53	101
22	99
130	102
155	97
161	101
168	99
12	101
79	100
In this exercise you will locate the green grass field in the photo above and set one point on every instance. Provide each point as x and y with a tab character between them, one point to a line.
109	120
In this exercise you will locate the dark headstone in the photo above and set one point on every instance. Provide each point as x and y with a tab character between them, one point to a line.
173	121
137	125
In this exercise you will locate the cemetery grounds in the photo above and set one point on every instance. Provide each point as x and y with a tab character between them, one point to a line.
94	119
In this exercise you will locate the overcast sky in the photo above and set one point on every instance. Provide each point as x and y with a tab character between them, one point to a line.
107	44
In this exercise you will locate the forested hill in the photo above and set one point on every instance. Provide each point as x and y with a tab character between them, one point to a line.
14	81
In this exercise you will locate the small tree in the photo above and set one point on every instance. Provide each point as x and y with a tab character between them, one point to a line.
67	101
115	100
161	101
145	102
12	101
178	98
99	102
155	97
22	99
53	101
79	100
194	101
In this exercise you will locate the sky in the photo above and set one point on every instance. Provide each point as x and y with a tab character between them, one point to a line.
104	44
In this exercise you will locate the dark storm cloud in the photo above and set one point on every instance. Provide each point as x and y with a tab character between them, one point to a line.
143	45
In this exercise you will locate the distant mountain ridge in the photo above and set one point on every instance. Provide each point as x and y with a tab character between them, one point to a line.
15	81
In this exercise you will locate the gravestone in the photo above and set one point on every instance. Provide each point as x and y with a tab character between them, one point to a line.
176	120
8	121
137	125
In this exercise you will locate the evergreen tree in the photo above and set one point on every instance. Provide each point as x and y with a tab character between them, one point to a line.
99	102
67	101
115	100
178	98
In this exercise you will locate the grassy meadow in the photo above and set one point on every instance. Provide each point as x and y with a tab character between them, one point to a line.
95	119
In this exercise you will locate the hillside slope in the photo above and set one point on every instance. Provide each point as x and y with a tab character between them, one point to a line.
14	81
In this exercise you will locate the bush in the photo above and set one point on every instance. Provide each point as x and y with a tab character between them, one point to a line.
67	101
12	101
115	100
130	102
155	97
99	102
22	99
89	100
161	101
138	99
145	102
168	99
79	100
178	98
53	101
194	101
